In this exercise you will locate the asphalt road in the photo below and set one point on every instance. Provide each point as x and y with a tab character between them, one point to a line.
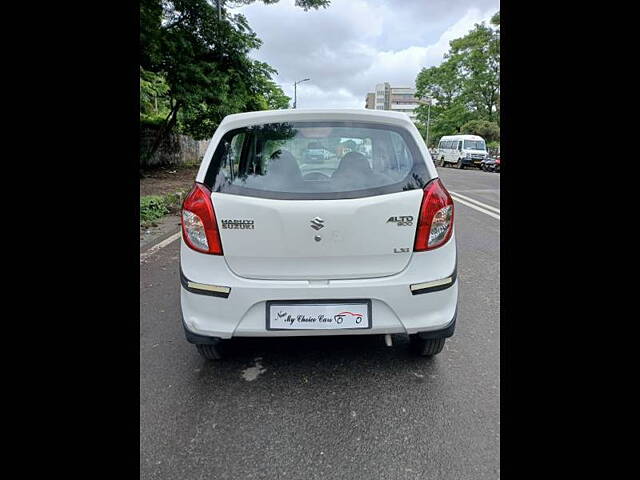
329	408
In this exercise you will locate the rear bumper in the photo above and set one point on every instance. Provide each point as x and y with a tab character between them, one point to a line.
236	306
445	332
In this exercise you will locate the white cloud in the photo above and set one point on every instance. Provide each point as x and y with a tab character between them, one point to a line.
352	45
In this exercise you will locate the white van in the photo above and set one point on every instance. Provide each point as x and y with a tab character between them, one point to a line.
461	150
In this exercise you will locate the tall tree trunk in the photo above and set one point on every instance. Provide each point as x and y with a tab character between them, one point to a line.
166	127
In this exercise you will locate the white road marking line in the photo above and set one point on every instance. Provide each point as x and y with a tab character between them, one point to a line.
158	246
483	205
475	207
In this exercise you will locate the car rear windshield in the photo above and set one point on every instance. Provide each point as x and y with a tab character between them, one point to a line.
316	160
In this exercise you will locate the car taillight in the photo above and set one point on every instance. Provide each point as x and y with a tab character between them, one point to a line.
435	224
199	226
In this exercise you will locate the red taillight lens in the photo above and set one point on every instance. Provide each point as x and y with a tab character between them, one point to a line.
199	226
435	224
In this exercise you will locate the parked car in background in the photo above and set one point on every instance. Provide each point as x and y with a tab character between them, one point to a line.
275	247
462	151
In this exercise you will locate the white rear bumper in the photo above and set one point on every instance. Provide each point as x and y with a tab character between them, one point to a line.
395	309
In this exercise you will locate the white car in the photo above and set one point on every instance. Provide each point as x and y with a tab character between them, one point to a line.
359	244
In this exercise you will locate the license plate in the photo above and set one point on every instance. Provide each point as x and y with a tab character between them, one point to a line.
318	315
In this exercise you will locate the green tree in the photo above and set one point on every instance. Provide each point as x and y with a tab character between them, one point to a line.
477	57
150	33
441	83
206	64
154	104
466	85
271	96
444	121
203	56
490	131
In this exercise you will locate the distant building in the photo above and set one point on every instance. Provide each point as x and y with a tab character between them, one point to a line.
398	99
371	100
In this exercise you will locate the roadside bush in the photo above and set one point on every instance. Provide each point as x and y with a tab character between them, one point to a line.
173	201
152	207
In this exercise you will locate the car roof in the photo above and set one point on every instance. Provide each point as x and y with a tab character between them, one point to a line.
238	120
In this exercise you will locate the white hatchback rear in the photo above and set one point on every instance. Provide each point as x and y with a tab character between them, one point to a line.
279	242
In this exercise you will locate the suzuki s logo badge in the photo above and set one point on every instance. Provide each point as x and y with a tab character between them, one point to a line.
317	223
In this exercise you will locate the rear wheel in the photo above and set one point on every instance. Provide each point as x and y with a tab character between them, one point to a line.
210	351
426	347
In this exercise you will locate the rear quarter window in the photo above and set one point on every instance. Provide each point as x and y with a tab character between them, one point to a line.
316	160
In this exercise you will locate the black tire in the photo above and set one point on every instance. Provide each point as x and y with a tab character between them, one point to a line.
210	352
426	347
441	162
459	164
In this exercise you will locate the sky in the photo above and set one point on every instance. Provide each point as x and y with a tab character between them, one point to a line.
349	47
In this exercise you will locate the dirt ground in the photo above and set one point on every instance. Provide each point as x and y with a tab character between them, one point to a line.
167	180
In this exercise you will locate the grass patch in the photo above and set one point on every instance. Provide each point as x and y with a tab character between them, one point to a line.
154	207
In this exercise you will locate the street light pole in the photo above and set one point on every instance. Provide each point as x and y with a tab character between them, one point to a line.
295	91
